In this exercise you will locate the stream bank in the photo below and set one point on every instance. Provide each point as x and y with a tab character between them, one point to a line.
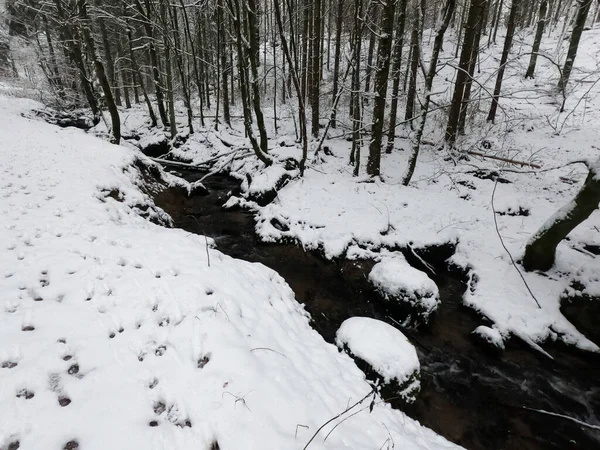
468	394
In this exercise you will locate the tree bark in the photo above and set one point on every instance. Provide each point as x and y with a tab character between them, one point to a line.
100	73
510	31
463	77
539	32
396	72
337	53
541	249
381	81
315	68
582	13
437	48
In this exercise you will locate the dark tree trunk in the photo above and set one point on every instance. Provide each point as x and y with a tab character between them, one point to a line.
396	72
224	63
539	32
110	65
138	72
336	63
315	68
462	84
100	73
381	81
76	55
541	249
581	17
437	48
510	31
167	64
415	55
149	28
296	81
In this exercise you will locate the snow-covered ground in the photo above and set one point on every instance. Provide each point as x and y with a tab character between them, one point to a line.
118	333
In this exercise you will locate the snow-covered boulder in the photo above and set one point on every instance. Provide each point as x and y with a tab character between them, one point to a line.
386	350
491	337
398	281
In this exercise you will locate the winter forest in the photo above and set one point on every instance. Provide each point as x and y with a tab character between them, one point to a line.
299	224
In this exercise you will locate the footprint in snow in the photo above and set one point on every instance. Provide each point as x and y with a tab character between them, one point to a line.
24	393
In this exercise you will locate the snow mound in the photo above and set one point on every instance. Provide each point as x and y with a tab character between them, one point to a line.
489	335
385	349
398	281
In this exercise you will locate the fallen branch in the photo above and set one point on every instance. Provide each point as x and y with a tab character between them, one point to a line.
507	160
562	416
166	162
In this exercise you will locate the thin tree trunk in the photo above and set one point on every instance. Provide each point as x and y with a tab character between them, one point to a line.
415	43
396	72
388	9
297	86
336	63
510	31
136	67
581	17
99	69
462	84
315	68
538	38
149	28
437	48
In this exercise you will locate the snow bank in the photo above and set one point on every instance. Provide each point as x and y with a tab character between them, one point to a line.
385	349
118	333
398	281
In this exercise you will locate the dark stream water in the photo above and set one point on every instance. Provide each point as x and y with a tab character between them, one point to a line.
468	394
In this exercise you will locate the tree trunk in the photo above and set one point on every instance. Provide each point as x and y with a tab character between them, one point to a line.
149	28
336	63
462	84
582	12
381	81
510	31
100	73
396	72
110	65
415	44
437	48
246	53
541	249
224	64
168	72
136	67
315	68
539	32
296	81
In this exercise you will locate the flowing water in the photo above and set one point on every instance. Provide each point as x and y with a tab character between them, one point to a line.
470	395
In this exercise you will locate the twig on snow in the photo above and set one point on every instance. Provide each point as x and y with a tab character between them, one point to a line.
372	392
205	239
506	249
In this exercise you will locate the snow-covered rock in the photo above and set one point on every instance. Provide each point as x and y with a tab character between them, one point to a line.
385	349
398	281
490	336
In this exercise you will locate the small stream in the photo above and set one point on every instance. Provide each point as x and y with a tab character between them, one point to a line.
470	395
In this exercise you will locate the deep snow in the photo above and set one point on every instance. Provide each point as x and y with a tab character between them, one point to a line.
119	333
